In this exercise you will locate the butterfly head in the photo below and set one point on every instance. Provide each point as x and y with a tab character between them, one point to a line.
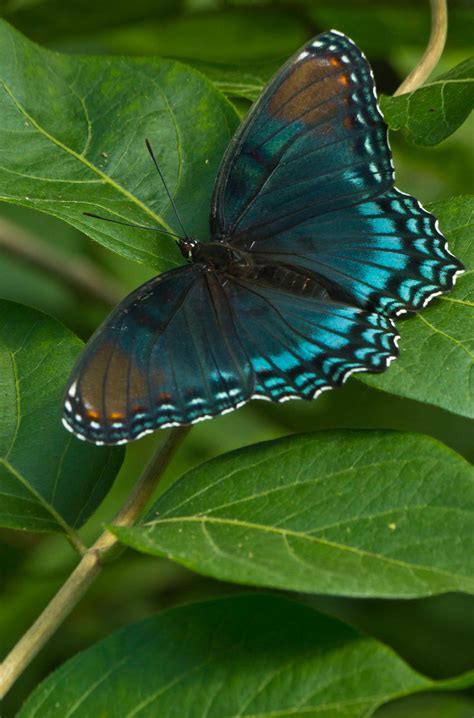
187	247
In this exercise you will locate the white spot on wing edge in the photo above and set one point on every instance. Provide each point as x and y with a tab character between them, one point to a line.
72	389
458	272
302	55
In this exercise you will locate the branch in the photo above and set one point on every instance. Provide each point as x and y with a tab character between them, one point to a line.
80	275
433	52
105	548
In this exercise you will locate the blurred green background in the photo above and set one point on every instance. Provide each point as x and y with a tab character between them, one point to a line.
435	635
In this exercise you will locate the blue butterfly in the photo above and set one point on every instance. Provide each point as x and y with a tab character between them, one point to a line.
313	251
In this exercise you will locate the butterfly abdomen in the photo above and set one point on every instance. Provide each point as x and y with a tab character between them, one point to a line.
301	283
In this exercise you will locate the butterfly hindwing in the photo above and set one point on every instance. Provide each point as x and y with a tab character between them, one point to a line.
313	142
385	254
299	346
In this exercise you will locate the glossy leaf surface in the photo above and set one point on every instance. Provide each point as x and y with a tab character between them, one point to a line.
349	513
79	145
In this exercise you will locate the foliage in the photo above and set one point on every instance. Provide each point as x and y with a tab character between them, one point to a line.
433	112
303	664
346	513
48	481
357	514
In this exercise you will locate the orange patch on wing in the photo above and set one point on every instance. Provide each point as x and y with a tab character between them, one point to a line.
349	122
335	62
92	414
164	396
116	415
344	80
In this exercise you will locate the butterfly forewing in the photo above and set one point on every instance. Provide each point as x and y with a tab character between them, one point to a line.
167	355
314	141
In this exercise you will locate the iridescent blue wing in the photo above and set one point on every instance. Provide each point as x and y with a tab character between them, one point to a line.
168	354
314	141
385	254
192	344
308	181
299	346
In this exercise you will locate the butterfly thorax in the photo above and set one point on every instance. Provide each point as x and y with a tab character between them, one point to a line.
217	256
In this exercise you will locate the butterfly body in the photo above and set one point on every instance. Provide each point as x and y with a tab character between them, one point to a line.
313	251
229	263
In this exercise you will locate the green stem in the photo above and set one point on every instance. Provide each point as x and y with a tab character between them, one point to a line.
105	548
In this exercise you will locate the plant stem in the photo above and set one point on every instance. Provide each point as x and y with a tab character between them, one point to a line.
434	49
80	275
90	565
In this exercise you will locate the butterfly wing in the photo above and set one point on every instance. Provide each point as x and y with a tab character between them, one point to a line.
167	355
385	254
308	181
191	344
313	142
300	346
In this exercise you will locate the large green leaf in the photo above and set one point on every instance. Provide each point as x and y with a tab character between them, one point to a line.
73	139
194	661
249	656
436	110
349	513
49	481
436	363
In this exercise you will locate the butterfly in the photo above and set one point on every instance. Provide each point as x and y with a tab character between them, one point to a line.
313	251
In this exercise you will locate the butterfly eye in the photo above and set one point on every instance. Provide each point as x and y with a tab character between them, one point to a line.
187	247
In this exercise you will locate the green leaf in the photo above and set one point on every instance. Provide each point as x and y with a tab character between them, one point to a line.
256	656
347	513
436	364
437	109
237	80
49	481
73	139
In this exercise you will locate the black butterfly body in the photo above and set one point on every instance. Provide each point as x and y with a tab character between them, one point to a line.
312	253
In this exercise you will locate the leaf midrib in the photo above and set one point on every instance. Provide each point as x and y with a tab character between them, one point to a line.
68	530
306	537
81	158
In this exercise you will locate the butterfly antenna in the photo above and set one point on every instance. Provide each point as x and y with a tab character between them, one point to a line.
131	224
155	162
